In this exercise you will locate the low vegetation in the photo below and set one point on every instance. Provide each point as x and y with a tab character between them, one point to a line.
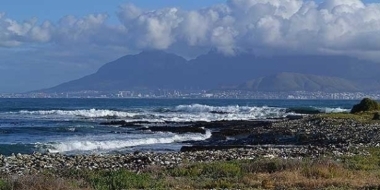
367	111
366	105
354	172
364	117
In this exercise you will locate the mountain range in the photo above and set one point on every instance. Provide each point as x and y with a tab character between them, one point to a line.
244	71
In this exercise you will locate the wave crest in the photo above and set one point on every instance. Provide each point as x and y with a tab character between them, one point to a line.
93	145
333	110
91	113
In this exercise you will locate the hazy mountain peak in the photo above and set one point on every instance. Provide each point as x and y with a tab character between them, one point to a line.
153	52
288	81
159	69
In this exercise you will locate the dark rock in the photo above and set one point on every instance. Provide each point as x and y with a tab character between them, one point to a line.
303	110
217	136
235	131
264	138
294	117
218	112
228	124
179	130
204	148
123	123
303	138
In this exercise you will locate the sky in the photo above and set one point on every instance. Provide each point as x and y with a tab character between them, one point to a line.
44	43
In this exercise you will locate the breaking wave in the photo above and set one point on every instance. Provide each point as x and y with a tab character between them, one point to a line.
255	112
333	110
195	112
96	146
91	113
185	113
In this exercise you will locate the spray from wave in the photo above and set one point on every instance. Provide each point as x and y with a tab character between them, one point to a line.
333	110
183	113
91	113
109	145
195	112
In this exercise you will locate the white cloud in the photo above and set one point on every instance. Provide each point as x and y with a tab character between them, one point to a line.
348	27
336	25
301	26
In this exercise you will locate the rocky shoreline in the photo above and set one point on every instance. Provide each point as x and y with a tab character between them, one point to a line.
35	163
311	136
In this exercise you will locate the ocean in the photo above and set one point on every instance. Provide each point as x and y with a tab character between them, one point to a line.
73	126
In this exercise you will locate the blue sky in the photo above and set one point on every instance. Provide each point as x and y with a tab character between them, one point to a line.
54	10
73	38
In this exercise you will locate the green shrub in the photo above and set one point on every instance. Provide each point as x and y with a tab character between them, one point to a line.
270	165
365	105
189	171
4	185
364	162
214	170
121	179
218	184
222	169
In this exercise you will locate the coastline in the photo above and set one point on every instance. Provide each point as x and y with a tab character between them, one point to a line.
313	138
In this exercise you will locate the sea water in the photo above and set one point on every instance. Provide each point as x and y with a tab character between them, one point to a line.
72	126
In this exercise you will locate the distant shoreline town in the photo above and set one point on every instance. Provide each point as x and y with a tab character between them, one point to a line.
200	94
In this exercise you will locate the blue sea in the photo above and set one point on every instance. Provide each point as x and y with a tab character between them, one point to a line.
72	126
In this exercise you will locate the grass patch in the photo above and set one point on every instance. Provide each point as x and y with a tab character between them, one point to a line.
364	162
357	172
365	117
38	182
263	165
216	170
4	185
121	180
113	180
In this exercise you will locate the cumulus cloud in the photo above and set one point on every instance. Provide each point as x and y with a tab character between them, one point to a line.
300	26
74	46
289	25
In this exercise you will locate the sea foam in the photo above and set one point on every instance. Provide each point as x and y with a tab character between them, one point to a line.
180	113
109	145
333	110
90	113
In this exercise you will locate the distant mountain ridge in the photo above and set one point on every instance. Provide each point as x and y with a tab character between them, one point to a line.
299	82
158	69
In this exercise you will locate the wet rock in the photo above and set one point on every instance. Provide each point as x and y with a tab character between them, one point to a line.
218	136
294	117
303	111
219	112
179	129
123	123
205	148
